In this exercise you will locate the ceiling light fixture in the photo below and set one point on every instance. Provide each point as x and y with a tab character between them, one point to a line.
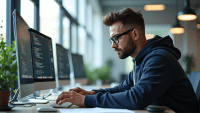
198	26
177	28
187	14
155	7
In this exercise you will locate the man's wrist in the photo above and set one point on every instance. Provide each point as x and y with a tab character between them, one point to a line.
93	92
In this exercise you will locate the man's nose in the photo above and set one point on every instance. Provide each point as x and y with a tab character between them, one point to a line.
114	45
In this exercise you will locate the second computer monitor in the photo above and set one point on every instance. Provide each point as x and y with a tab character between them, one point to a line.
42	59
63	65
79	69
24	58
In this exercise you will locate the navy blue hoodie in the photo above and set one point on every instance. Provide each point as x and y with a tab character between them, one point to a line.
159	80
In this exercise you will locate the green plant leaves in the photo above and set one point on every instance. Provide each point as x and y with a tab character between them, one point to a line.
102	72
189	63
8	66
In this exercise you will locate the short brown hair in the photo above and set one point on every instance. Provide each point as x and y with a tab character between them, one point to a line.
128	17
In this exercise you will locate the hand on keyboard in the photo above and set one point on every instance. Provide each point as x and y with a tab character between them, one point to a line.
64	105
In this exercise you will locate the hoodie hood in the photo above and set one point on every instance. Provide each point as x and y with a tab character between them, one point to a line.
158	43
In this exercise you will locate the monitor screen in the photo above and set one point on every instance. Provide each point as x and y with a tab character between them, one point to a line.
63	66
78	66
42	55
23	53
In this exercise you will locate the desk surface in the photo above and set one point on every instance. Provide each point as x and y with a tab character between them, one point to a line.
33	109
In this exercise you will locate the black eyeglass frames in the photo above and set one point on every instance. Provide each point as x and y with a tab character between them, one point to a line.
115	38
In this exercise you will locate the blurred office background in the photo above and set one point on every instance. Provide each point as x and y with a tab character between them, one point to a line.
77	25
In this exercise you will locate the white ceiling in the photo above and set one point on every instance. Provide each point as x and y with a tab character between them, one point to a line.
172	7
145	2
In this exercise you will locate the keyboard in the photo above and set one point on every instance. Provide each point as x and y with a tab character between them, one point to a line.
64	105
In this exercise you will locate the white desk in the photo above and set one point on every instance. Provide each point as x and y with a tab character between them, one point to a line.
33	109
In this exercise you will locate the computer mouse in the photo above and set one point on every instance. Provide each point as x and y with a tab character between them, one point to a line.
46	109
155	109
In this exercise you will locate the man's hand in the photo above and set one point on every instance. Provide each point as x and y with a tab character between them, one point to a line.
82	91
71	96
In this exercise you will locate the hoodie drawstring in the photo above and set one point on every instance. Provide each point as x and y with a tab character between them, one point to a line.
134	72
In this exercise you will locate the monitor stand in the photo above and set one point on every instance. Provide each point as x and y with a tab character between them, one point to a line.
55	92
26	100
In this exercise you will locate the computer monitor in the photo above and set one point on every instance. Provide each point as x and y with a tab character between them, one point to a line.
63	65
24	61
24	58
42	61
79	69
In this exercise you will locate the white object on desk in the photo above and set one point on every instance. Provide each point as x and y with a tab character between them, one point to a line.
33	101
95	110
46	109
64	105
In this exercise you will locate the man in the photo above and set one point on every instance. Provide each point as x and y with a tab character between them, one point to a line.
157	77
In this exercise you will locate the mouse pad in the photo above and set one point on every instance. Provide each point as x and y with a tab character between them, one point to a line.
155	109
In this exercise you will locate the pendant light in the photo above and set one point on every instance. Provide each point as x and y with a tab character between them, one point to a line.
187	14
177	28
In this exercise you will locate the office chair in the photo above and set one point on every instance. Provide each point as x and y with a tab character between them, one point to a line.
194	79
198	94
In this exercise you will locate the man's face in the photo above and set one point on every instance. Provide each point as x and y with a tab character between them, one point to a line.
126	46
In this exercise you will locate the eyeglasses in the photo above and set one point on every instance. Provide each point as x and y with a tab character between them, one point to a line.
115	38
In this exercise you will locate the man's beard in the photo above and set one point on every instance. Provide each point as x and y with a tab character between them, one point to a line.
128	50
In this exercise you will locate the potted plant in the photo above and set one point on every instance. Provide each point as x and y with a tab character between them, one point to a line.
89	74
8	69
103	73
189	64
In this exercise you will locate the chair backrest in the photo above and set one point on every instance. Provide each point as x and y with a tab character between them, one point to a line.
198	94
194	79
198	91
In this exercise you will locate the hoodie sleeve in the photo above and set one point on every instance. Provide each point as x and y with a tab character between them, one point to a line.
124	85
155	80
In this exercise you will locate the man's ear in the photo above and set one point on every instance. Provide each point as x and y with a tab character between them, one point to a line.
135	33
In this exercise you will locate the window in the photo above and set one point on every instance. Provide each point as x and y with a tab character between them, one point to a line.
49	19
81	12
81	40
70	6
3	18
89	18
66	33
27	12
89	52
74	38
97	40
49	22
